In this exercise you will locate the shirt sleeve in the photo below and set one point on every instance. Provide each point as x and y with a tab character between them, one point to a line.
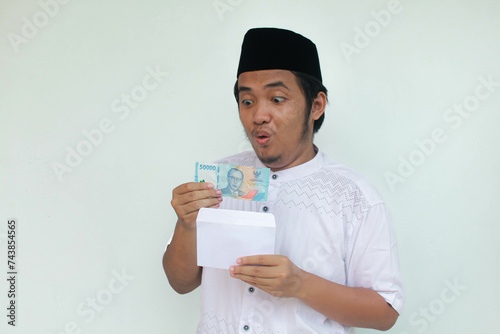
372	258
169	241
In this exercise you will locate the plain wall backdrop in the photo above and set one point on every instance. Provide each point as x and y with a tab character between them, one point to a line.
106	105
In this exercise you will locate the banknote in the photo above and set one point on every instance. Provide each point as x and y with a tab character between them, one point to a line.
241	182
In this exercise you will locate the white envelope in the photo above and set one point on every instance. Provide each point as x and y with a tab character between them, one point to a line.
225	235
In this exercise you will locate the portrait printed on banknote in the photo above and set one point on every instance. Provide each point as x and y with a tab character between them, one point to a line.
234	181
240	182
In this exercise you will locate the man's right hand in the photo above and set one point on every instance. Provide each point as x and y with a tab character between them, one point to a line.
179	260
189	198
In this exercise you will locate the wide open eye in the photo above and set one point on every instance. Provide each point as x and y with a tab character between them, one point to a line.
246	102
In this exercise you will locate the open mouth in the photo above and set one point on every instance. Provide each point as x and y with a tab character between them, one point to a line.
262	138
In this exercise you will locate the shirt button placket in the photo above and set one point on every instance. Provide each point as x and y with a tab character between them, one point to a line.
247	310
273	177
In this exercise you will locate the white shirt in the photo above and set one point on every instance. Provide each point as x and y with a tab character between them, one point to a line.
330	221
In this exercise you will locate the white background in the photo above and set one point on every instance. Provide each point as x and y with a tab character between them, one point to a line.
112	213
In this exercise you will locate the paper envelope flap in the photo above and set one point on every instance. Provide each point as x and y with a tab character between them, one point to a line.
235	217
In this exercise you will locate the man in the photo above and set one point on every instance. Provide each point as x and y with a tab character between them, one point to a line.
336	265
234	181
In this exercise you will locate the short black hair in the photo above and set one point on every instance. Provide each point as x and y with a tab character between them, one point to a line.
310	87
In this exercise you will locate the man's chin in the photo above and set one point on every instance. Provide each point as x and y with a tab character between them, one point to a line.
269	160
265	156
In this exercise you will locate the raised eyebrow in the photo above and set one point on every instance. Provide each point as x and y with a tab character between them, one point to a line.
269	85
276	84
244	89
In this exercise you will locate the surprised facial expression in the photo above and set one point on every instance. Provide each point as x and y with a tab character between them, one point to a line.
272	111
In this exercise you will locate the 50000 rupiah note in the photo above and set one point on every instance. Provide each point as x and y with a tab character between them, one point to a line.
241	182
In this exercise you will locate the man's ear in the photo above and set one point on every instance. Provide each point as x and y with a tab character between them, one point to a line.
318	106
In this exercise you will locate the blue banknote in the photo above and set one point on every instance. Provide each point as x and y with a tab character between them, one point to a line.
241	182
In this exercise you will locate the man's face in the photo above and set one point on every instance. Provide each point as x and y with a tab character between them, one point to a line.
271	108
234	179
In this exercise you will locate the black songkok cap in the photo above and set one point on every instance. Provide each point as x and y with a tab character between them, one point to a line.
278	49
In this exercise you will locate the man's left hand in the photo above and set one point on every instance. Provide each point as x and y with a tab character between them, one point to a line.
274	274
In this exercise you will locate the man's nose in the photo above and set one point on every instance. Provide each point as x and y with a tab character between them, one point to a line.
262	113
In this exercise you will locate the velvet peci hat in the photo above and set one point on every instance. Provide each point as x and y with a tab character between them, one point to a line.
278	49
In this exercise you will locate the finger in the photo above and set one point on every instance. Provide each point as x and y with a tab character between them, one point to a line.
216	206
261	283
254	271
194	207
264	260
179	200
194	196
191	217
192	186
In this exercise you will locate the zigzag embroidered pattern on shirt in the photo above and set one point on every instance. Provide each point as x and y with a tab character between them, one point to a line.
327	193
215	325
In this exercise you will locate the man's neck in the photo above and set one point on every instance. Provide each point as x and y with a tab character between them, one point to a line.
299	160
